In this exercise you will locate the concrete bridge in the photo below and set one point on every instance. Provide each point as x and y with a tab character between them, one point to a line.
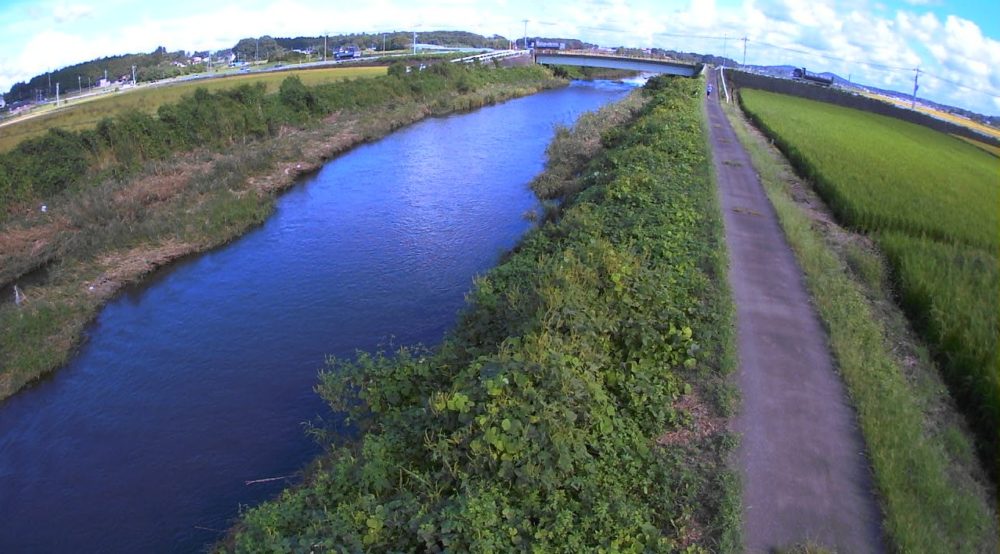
631	63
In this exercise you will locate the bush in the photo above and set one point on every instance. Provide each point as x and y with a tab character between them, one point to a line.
47	164
297	97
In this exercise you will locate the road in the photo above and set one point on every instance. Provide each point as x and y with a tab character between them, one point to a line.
805	474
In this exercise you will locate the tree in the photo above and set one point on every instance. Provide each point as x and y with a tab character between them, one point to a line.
257	49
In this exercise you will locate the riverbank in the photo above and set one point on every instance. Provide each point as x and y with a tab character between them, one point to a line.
579	404
94	239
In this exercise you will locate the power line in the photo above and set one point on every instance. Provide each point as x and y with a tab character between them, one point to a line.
960	85
883	67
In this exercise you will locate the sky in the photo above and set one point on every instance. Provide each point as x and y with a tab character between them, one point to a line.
956	45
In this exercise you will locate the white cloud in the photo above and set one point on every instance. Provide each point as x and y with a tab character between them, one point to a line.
845	37
64	13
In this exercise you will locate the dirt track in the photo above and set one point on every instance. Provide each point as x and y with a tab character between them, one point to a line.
805	474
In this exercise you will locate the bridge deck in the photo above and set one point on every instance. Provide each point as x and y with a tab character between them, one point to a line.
591	59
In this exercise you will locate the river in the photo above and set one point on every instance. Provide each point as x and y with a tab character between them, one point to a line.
200	380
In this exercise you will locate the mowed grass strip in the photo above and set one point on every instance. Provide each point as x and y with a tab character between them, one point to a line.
86	113
921	460
931	202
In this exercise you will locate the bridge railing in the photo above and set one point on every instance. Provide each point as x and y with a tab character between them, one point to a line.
486	56
603	54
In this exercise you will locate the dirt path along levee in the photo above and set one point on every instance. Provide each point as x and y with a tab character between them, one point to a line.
806	478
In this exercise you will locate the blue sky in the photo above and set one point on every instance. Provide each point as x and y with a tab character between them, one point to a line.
879	42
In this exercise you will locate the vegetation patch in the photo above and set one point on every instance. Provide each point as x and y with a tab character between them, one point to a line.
535	425
588	73
934	494
79	114
140	191
933	205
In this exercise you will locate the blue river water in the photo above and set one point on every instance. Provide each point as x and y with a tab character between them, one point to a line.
200	380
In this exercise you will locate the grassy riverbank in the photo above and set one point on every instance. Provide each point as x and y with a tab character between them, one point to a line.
932	204
580	403
935	496
153	196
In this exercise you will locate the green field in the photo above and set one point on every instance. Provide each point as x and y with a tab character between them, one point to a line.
82	114
932	203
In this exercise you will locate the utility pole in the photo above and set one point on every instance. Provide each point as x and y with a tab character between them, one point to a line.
913	101
325	34
525	34
133	75
383	43
744	51
57	94
414	42
79	83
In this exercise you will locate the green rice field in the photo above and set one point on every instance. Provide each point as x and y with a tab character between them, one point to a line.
932	203
85	113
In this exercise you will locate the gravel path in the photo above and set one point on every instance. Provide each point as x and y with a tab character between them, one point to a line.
805	474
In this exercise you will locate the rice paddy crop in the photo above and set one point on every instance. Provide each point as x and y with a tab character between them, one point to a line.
932	204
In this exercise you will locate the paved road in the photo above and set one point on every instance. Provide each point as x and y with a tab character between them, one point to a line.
805	474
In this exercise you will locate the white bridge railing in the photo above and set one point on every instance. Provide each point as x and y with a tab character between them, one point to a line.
486	56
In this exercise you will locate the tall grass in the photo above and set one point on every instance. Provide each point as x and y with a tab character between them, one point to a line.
933	204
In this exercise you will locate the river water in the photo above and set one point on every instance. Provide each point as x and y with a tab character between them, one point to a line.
201	379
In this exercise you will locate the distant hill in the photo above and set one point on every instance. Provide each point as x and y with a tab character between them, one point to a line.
158	64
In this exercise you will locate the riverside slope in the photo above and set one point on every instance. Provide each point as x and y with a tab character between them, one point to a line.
806	478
